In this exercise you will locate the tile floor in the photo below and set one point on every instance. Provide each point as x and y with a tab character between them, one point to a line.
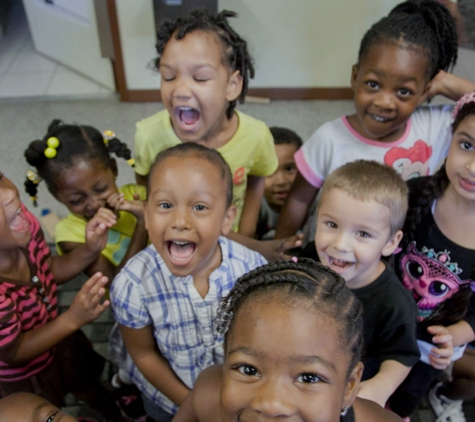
24	73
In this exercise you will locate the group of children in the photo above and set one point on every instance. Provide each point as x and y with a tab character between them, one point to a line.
392	287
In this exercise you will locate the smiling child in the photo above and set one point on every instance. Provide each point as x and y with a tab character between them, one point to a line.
165	298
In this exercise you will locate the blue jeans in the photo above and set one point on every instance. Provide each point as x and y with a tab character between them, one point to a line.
155	411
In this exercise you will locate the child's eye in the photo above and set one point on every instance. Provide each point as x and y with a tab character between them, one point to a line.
467	146
331	224
165	205
404	92
363	234
372	84
102	189
75	202
51	417
309	378
199	207
291	168
248	370
201	79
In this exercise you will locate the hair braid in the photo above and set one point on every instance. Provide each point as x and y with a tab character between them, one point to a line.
425	25
235	52
304	278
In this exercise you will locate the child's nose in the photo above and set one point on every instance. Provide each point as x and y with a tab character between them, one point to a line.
341	242
471	166
272	400
279	178
95	202
182	88
181	220
384	100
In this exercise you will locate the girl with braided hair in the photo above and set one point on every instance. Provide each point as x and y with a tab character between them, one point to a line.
293	341
205	69
76	164
80	173
403	60
436	266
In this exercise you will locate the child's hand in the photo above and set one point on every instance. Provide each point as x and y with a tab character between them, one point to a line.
119	203
96	229
86	305
275	249
441	356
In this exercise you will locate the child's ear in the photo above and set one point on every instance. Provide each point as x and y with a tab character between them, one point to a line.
354	74
426	94
353	384
234	86
392	244
228	221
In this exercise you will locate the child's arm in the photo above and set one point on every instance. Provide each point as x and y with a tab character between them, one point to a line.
252	204
82	255
450	86
378	389
202	404
295	208
86	307
141	346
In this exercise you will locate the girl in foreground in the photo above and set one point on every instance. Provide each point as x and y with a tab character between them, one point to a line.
293	339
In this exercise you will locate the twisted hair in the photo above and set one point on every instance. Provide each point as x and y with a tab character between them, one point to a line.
304	279
235	54
75	143
425	25
200	151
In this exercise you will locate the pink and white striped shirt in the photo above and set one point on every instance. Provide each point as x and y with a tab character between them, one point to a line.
24	308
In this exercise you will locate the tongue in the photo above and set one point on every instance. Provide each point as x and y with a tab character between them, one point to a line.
181	251
338	263
190	117
18	222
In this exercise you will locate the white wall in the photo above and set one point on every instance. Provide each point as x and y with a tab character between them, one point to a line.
68	34
295	43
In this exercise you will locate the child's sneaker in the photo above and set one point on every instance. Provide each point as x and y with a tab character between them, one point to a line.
128	398
445	409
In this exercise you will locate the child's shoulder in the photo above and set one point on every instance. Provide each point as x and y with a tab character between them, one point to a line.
249	126
366	410
129	190
161	117
236	253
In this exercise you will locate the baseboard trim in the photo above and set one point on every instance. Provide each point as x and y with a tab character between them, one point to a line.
288	94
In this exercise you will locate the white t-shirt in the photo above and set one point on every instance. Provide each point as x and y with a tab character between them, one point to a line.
419	152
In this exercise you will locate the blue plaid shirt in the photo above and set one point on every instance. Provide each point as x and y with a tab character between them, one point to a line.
146	293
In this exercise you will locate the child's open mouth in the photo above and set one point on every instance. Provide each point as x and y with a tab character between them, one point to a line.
379	119
339	265
181	252
187	117
19	223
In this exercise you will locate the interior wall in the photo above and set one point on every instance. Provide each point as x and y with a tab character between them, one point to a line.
298	43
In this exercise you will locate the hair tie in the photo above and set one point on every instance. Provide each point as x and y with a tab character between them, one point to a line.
465	99
131	162
35	179
108	135
53	144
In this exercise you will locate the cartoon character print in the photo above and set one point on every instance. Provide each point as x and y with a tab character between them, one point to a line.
431	277
410	163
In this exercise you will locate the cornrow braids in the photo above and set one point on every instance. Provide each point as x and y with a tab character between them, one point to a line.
75	143
422	25
235	52
304	278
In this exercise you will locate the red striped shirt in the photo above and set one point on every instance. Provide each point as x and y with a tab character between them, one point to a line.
24	308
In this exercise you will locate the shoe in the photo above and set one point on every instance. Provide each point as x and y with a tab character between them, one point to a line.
445	409
129	400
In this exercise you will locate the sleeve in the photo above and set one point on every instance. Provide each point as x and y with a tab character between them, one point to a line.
68	230
265	158
128	300
143	156
314	158
399	341
9	322
131	189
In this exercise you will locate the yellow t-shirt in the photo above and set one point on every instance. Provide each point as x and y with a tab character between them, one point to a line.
250	152
73	229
